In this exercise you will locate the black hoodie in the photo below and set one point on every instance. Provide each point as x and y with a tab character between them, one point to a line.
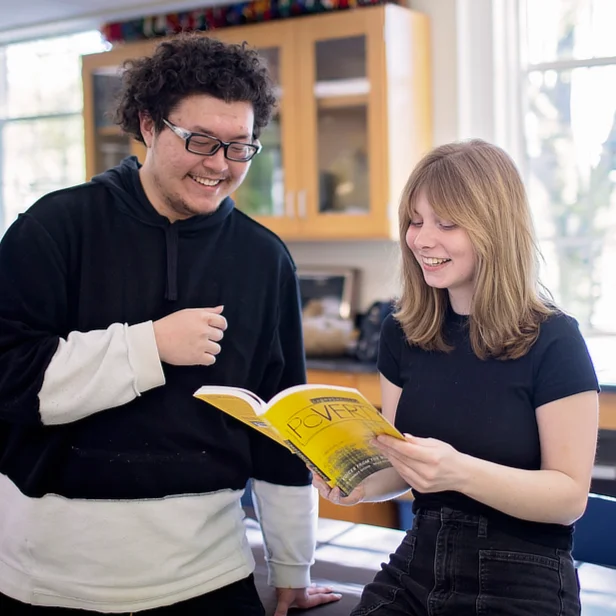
84	258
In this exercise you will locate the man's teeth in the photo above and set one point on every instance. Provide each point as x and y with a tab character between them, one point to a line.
205	181
432	261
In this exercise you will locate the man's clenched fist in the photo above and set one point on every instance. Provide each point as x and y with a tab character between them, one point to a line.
190	337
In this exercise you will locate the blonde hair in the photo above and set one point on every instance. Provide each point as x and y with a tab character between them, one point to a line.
476	186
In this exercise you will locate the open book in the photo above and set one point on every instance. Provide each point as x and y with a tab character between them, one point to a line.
329	427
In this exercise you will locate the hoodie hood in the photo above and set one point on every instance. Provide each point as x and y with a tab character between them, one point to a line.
125	184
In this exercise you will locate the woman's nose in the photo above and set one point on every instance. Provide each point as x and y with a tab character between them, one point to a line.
425	237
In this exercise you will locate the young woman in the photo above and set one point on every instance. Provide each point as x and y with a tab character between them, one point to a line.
496	395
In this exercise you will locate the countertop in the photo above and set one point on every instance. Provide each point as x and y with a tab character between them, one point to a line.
340	364
354	366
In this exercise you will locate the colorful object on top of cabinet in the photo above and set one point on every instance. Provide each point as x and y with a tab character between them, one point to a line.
224	16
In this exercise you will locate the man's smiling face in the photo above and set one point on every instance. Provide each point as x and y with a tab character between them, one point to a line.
181	184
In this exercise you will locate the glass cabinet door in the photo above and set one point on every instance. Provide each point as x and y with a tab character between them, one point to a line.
110	145
342	109
341	90
268	193
106	144
263	191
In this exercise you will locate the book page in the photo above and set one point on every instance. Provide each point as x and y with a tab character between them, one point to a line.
240	404
333	428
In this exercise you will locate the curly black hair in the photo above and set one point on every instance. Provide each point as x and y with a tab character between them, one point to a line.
188	64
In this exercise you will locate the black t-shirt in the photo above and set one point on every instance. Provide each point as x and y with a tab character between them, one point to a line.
486	408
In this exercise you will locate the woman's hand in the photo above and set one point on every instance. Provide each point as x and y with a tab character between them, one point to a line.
426	464
335	496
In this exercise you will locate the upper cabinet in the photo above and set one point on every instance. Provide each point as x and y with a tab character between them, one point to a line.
354	117
105	143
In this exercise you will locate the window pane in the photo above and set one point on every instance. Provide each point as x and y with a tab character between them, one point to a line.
44	76
569	29
40	156
571	150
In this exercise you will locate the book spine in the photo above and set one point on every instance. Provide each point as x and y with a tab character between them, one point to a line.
308	462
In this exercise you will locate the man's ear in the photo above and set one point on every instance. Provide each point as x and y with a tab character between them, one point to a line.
146	125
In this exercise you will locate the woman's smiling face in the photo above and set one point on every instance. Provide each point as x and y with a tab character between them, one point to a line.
445	253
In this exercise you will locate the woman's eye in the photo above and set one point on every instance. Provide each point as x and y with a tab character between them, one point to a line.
415	223
447	226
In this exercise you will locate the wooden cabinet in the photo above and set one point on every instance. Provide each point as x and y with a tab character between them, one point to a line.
607	410
367	382
354	117
105	144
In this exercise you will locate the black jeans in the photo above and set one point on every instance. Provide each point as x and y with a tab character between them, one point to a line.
454	564
237	599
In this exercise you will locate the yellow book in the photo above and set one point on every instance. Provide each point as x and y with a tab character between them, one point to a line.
329	427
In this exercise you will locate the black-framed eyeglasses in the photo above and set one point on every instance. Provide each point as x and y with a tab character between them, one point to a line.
206	145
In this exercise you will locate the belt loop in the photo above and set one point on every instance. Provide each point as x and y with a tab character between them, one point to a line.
483	527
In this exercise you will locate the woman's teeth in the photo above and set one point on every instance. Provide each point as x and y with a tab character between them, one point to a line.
432	261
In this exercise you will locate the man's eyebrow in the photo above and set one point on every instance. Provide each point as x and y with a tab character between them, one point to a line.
201	129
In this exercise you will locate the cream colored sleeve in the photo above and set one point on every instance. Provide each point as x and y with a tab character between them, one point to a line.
288	516
100	369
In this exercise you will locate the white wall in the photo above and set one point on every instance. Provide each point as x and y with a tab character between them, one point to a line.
377	262
463	96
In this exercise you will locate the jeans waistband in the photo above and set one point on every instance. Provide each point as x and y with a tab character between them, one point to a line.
447	514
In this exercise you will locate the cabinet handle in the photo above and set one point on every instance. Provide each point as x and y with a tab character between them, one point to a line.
301	203
289	205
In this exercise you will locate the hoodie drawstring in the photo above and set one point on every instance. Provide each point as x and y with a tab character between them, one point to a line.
171	242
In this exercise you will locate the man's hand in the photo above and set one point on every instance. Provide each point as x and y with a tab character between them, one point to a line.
303	598
190	337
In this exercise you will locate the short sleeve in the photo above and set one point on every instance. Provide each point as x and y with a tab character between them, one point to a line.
390	350
563	366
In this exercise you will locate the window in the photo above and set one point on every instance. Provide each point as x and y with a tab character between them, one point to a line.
569	119
41	126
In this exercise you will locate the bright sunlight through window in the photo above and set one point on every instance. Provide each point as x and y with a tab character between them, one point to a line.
41	126
569	97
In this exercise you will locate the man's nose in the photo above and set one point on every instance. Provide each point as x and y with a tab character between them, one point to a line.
216	162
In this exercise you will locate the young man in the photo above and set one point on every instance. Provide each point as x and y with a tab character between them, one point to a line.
119	491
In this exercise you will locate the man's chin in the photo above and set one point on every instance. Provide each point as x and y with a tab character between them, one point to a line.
210	208
204	208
